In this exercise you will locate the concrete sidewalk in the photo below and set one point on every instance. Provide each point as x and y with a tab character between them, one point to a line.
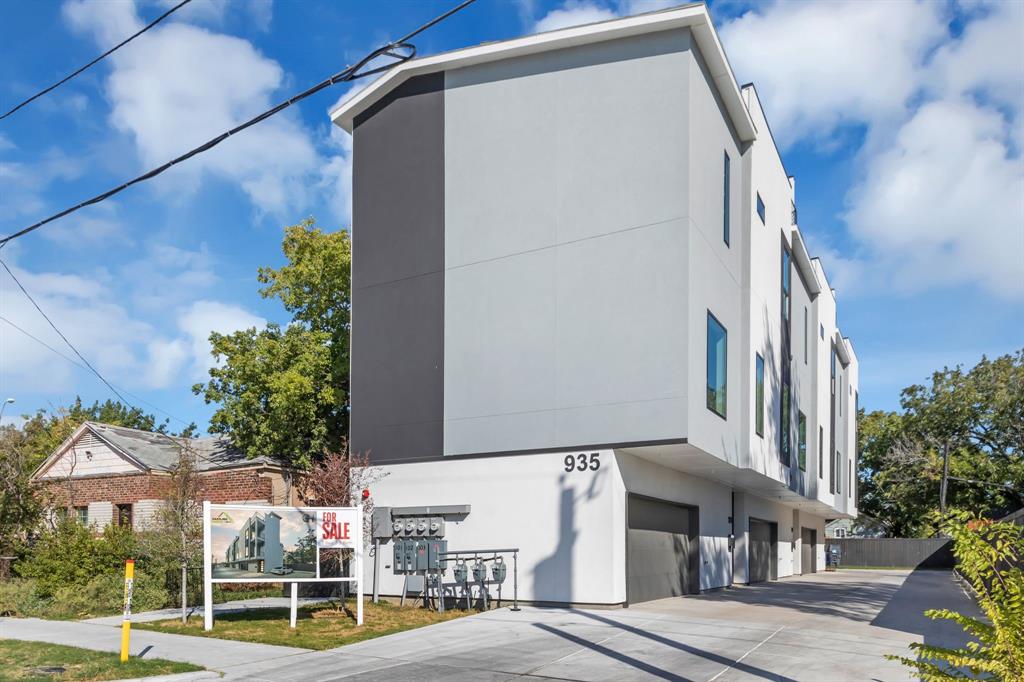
237	606
214	654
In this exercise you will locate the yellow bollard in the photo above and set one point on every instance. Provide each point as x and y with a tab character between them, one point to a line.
126	624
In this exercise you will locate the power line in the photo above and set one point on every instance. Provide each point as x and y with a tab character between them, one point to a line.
399	50
84	368
61	334
100	58
183	445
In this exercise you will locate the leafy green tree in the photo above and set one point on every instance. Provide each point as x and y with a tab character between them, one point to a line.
20	505
283	392
977	416
989	555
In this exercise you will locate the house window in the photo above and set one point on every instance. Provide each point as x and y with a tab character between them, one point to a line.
760	208
82	514
784	431
805	335
717	346
821	452
123	515
725	200
840	532
839	473
759	395
801	451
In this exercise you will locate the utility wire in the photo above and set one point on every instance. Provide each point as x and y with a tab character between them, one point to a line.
100	58
84	368
61	335
184	442
400	51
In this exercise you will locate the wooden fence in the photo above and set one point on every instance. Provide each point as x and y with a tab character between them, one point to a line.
894	552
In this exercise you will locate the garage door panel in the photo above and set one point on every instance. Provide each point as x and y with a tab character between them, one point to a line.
659	560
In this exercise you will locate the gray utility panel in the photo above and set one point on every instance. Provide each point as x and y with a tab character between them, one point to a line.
808	553
763	550
662	555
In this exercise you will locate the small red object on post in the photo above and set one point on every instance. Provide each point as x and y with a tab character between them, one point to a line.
366	493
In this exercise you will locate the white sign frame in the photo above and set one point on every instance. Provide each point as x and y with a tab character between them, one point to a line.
356	566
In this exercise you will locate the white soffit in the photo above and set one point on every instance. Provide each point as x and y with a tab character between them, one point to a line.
695	17
803	263
841	349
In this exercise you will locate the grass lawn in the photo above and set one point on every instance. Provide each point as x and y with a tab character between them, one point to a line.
26	661
322	626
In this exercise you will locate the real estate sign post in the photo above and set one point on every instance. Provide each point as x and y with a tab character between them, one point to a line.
245	543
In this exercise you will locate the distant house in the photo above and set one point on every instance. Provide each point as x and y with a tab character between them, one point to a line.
114	474
861	527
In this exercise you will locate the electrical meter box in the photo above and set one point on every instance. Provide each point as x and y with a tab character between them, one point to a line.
405	557
499	570
435	551
421	555
380	523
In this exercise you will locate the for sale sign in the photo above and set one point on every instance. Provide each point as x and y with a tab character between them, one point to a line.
336	528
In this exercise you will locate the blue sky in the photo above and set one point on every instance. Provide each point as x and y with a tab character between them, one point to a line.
901	122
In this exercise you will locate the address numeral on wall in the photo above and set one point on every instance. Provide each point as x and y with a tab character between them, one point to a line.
581	462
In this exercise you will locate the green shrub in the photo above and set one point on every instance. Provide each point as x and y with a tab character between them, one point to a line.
71	556
104	596
18	597
989	555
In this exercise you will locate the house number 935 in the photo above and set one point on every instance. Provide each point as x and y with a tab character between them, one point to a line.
582	462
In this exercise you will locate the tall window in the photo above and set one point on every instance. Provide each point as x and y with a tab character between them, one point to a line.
760	208
784	432
785	416
786	286
725	200
759	395
717	346
801	451
82	514
832	473
821	452
839	473
805	335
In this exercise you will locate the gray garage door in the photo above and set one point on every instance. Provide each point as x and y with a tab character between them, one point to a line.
808	555
762	550
661	550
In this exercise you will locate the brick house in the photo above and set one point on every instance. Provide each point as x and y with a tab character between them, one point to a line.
114	474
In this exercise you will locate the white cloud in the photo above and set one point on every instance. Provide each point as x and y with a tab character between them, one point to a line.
819	66
183	85
203	317
945	204
573	13
938	195
133	349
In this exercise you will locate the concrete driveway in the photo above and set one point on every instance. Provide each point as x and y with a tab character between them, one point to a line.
828	627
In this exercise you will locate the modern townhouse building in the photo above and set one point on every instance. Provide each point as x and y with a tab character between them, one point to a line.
583	306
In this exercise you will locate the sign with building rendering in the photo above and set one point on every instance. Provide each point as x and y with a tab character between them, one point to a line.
251	543
255	543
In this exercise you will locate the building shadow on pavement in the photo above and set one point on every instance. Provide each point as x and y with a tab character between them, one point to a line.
850	599
928	589
725	661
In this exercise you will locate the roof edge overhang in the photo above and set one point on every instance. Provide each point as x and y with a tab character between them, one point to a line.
803	263
842	350
694	16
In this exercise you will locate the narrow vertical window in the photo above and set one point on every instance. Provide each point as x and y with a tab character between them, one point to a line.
785	434
801	451
760	208
822	332
725	199
805	335
821	452
759	395
717	348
